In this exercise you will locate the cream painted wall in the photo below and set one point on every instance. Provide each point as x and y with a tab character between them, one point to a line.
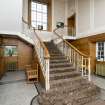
58	12
90	16
99	13
25	10
71	7
83	16
10	16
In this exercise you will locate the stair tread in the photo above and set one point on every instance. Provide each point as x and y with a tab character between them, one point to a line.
62	68
65	80
68	88
61	71
97	102
60	63
64	74
71	97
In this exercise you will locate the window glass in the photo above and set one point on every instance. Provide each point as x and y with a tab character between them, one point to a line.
34	24
44	26
39	7
100	51
44	18
44	8
34	16
33	6
39	15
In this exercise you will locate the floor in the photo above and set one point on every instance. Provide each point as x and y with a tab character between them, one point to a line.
14	89
100	82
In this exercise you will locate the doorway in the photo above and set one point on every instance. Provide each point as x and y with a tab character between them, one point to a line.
72	25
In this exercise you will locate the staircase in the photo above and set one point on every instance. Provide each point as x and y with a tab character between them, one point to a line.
67	87
63	67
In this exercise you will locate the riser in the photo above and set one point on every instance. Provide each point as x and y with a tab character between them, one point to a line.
63	68
59	61
72	99
96	102
68	89
61	71
56	83
59	58
85	100
64	77
79	92
60	66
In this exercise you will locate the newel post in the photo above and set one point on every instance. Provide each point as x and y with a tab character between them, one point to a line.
89	70
47	84
82	67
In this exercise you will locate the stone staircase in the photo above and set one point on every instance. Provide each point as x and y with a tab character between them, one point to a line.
67	87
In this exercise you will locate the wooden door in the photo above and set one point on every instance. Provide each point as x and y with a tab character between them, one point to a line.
72	26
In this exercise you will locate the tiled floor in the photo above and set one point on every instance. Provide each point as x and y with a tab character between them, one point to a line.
100	82
13	91
13	76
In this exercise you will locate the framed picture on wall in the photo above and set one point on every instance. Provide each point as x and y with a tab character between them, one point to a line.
10	51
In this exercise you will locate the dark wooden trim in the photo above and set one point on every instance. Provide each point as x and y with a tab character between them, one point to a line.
93	38
100	62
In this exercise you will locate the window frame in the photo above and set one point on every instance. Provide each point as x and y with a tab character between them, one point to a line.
99	50
42	13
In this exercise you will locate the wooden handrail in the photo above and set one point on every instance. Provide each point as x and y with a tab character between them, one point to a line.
47	55
69	43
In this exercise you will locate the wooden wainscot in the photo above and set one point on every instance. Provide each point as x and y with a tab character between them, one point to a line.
100	68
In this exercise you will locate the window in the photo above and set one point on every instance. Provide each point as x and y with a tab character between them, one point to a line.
100	51
39	15
10	51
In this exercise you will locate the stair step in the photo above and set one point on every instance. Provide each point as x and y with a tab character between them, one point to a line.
65	75
60	65
65	89
62	68
58	57
54	51
61	71
70	81
97	102
58	54
80	98
58	61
